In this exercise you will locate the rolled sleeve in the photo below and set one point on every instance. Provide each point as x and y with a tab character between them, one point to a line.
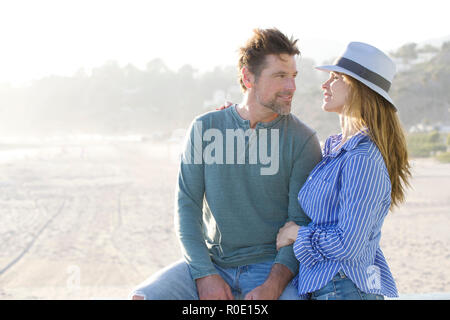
305	247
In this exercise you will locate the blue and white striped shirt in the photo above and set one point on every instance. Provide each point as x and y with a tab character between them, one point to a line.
347	196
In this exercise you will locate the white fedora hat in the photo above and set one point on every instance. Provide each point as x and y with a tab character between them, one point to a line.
367	64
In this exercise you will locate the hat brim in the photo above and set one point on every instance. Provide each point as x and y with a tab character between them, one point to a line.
372	86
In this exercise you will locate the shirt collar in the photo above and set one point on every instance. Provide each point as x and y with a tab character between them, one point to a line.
348	145
246	123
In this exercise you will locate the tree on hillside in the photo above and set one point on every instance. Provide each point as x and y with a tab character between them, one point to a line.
428	48
422	91
407	52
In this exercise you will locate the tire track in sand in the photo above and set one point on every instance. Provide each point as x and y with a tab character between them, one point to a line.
33	240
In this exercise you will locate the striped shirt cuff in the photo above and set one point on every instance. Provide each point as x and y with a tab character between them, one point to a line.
305	244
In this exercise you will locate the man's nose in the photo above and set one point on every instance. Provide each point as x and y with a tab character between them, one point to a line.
290	85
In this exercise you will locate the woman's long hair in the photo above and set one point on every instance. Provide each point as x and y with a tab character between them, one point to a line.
367	109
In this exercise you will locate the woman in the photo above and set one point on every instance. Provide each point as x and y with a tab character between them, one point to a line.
362	176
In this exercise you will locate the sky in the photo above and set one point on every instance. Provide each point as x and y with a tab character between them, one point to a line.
58	37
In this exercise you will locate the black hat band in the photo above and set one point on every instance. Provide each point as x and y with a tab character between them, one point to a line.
364	73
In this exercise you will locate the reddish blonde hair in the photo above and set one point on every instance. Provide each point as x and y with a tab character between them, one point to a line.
366	108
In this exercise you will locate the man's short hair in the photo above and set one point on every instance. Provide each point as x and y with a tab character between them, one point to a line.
264	42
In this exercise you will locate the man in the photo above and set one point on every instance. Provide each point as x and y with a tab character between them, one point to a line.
232	196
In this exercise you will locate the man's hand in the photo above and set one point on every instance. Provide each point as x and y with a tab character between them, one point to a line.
264	292
273	287
213	287
227	104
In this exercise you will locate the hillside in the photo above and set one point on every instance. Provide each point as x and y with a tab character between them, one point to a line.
112	99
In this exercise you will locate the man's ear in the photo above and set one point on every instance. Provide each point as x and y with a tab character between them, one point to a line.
247	77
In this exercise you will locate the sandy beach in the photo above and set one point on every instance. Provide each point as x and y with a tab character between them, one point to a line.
91	220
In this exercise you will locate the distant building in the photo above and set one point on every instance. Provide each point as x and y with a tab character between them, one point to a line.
444	129
421	128
428	128
421	57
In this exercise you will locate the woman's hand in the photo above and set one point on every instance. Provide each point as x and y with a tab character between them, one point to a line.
287	234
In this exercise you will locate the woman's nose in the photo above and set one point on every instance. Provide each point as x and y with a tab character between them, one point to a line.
325	84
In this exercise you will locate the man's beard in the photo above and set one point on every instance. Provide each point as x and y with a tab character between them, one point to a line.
278	107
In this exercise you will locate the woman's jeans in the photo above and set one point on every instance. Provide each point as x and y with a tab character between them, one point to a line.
342	288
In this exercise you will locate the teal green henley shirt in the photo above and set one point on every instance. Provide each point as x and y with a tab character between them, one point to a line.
238	186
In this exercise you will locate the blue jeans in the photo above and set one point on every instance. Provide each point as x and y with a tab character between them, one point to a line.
175	282
342	288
